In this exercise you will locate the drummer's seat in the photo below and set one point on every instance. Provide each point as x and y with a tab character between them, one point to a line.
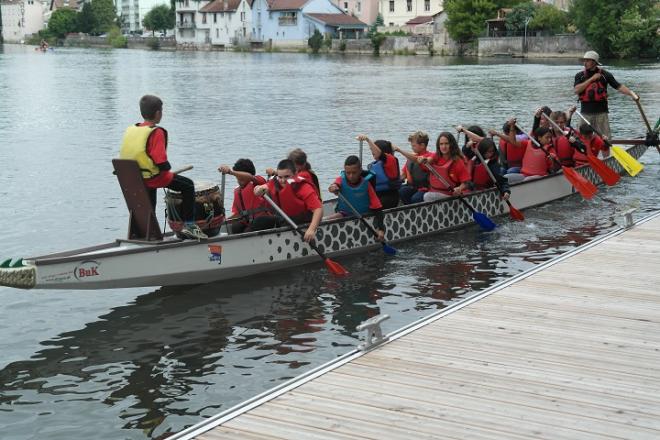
142	223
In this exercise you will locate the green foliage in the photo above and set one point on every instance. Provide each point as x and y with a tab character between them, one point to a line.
116	39
86	19
327	41
466	19
379	20
315	41
62	22
515	20
548	18
622	29
159	18
105	16
342	45
398	33
377	40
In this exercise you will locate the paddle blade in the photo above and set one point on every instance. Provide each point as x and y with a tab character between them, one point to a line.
582	185
483	221
514	213
389	250
607	174
629	163
335	268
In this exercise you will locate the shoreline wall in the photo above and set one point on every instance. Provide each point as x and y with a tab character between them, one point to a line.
555	46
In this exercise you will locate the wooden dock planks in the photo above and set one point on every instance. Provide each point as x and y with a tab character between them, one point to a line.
571	352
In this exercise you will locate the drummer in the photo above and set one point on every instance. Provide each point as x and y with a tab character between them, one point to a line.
246	206
146	143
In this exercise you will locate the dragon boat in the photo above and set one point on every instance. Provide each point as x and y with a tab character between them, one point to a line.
169	260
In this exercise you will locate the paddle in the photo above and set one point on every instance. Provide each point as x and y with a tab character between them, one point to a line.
607	174
386	248
333	266
641	112
582	185
515	214
629	163
183	169
480	218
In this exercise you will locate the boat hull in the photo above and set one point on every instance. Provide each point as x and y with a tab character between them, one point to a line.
174	262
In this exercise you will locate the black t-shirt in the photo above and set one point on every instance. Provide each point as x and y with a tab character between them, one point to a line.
595	106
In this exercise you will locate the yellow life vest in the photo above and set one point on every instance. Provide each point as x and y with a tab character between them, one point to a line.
134	147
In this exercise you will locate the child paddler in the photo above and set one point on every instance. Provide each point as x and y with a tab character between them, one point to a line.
146	143
450	164
417	180
304	169
357	186
296	196
386	168
593	142
511	153
535	162
246	206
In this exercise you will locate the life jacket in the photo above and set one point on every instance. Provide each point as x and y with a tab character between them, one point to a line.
134	147
514	155
444	170
579	157
250	205
286	197
596	91
480	176
420	179
383	182
535	162
564	150
312	178
358	196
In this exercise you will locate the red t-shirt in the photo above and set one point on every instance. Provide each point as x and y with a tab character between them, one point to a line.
156	149
458	171
374	201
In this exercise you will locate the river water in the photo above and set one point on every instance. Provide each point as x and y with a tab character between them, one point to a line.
140	363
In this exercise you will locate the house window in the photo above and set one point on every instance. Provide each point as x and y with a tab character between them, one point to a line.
346	6
187	3
427	5
359	6
288	19
204	18
409	5
215	18
391	5
242	16
217	33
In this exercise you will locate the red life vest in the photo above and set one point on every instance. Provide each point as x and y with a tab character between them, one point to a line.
596	91
513	154
535	162
286	197
444	170
250	206
592	149
480	177
564	150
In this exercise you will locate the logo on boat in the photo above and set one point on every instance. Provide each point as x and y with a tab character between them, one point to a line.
215	253
86	269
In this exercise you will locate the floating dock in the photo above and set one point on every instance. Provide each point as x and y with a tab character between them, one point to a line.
568	350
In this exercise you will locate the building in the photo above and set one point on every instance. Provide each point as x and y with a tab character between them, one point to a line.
399	12
132	13
21	19
364	10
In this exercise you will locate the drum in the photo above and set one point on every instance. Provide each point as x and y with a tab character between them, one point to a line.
208	210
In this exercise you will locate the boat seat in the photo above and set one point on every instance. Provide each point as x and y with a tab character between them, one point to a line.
142	222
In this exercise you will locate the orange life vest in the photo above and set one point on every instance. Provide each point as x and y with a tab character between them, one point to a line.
513	154
535	162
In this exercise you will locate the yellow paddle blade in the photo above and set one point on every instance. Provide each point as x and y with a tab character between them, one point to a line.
629	163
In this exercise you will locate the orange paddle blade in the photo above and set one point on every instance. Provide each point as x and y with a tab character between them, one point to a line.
582	185
335	268
609	176
514	213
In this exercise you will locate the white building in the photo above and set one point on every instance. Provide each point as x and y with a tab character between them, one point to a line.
364	10
399	12
21	19
132	13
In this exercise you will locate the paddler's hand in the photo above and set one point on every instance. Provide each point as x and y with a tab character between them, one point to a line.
492	133
380	235
512	123
260	190
362	137
506	196
310	234
634	96
225	169
595	77
333	188
423	160
459	128
396	149
458	191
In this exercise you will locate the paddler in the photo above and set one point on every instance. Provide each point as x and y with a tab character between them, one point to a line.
386	168
296	196
246	206
417	180
146	143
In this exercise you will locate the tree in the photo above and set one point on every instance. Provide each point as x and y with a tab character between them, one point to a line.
466	19
86	19
158	19
62	22
515	20
315	41
613	28
379	20
105	16
548	18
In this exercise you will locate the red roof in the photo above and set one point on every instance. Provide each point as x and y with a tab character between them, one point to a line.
421	19
337	19
221	6
286	5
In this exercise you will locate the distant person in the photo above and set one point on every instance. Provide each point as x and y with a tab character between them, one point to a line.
146	143
591	87
246	206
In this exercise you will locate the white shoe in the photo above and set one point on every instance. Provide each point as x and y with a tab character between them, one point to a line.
193	231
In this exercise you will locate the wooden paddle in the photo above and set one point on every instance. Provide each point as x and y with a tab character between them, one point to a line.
480	218
582	185
333	266
607	174
646	121
386	248
515	214
183	169
629	163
